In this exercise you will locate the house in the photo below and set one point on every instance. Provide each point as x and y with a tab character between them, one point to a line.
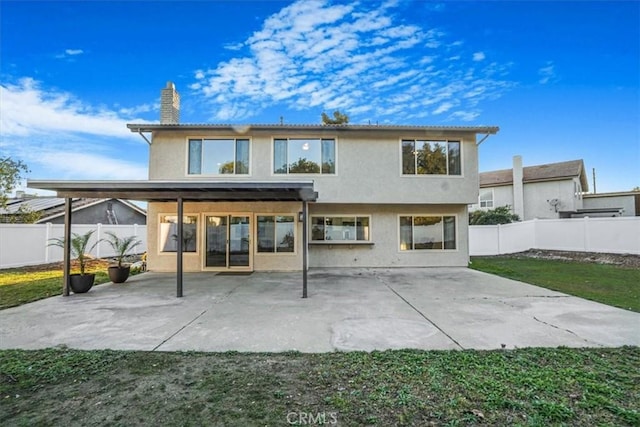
281	197
621	203
86	210
542	191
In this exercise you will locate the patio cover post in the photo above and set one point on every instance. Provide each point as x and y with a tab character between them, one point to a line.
66	269
179	248
305	249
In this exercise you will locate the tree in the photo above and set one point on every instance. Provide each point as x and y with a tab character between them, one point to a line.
339	118
499	215
304	166
10	175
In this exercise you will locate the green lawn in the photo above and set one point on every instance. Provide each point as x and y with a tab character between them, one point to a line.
533	387
22	285
608	284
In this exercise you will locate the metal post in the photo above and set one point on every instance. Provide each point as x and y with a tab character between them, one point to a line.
66	276
180	248
305	249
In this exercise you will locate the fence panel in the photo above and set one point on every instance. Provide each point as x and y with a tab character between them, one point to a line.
609	235
28	244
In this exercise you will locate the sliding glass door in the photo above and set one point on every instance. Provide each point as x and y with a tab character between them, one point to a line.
228	242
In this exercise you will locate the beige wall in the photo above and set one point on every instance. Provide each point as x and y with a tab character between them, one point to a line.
368	166
384	252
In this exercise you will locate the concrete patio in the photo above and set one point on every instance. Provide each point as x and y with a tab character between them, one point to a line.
347	309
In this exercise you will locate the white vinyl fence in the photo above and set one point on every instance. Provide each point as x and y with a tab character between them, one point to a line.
609	235
28	244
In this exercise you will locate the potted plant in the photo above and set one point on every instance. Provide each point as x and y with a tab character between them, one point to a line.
80	283
121	246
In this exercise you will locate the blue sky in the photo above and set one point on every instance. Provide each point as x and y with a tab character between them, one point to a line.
561	79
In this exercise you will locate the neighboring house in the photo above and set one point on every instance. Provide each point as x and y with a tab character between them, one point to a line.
543	191
85	210
374	196
626	203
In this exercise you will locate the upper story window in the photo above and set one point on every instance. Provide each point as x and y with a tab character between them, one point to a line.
308	155
218	157
486	198
421	157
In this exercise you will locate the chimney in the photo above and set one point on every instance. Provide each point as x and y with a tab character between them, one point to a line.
518	187
169	105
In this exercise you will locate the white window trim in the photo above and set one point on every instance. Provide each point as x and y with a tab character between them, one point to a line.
276	253
159	250
428	175
273	143
493	199
340	242
408	251
215	175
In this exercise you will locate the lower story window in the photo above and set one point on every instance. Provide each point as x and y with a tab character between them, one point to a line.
427	232
340	228
169	233
276	233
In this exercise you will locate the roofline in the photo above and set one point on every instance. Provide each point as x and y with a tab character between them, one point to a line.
157	190
612	194
529	181
88	205
242	128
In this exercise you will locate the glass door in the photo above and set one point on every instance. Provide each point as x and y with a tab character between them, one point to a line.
228	242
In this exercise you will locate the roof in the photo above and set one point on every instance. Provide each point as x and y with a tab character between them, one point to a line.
539	173
52	207
158	190
244	128
632	193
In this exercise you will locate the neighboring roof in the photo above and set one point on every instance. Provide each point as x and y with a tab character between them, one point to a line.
149	127
187	190
52	207
547	172
614	194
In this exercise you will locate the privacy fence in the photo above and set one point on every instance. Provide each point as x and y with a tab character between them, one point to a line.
28	244
609	235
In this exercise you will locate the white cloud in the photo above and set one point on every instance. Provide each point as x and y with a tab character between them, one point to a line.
478	56
547	73
61	137
27	109
72	52
358	57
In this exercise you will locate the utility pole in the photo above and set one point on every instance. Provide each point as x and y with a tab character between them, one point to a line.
594	181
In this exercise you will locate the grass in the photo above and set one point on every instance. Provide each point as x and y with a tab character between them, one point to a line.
26	284
532	387
608	284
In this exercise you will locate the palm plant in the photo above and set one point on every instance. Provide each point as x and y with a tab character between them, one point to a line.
121	245
79	247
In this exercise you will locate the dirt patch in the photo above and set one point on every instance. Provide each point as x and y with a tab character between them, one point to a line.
622	260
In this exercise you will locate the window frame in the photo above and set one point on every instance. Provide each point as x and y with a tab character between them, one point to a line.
235	160
442	216
459	141
160	250
340	242
288	138
480	201
275	247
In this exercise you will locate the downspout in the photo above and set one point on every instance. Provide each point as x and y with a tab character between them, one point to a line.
149	142
481	141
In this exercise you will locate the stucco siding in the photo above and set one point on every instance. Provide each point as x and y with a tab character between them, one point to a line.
384	228
626	202
368	167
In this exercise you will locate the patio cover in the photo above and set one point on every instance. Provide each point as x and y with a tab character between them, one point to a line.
181	191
